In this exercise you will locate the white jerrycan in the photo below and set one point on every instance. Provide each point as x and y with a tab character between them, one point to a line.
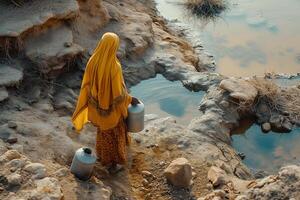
83	163
135	119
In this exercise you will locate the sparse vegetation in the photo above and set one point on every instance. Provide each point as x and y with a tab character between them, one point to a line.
279	100
206	8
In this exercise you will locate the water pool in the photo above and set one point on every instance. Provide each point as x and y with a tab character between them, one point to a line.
252	37
263	151
268	151
167	98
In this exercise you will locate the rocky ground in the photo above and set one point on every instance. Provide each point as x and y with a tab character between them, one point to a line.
44	48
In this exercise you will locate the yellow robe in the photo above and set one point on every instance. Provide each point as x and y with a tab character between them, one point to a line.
103	98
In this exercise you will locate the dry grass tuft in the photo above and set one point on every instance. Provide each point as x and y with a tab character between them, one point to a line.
279	100
206	8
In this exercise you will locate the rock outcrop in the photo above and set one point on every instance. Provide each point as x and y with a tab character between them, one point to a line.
34	14
284	185
239	89
53	50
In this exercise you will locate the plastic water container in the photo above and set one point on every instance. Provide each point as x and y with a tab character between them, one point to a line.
83	163
135	119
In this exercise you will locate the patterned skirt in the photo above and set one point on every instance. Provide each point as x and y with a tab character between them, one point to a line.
111	145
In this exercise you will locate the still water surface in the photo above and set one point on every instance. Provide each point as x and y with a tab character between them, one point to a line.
268	151
166	98
251	38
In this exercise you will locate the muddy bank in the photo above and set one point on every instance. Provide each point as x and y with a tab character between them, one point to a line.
42	63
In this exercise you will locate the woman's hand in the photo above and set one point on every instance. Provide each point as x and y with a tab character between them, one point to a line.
134	101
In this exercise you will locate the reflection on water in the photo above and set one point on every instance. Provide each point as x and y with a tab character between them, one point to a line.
252	37
268	151
166	98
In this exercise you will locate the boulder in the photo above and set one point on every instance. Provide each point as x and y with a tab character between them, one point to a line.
9	76
37	170
179	173
239	89
47	188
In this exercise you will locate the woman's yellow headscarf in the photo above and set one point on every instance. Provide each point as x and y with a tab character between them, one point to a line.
103	98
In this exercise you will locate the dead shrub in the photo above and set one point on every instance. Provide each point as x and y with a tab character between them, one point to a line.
280	100
206	8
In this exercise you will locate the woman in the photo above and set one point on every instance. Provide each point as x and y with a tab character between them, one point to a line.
103	101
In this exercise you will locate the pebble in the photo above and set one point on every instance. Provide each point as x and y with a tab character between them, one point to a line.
153	146
143	189
146	173
266	127
242	155
209	186
138	140
145	182
16	164
162	163
12	140
224	104
68	44
12	125
37	169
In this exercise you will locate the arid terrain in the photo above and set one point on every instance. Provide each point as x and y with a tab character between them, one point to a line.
44	47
